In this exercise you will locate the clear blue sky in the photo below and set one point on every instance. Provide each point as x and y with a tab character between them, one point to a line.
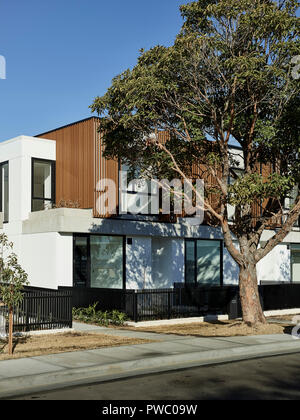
60	54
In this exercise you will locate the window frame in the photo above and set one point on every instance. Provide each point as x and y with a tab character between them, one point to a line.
2	164
195	283
53	181
88	236
124	193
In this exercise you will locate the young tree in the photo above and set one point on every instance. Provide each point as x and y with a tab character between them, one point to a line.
227	79
12	281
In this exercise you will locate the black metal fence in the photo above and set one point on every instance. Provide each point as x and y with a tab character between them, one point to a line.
107	299
180	302
42	309
280	296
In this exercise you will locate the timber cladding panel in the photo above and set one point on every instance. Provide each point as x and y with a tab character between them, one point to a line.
80	165
104	169
79	162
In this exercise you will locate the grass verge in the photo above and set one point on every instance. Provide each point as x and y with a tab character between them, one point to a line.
30	346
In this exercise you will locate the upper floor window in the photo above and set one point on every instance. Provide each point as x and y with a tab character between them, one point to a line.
43	184
137	193
4	191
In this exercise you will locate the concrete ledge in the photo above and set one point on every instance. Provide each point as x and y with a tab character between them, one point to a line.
58	220
180	321
50	332
28	384
67	220
283	312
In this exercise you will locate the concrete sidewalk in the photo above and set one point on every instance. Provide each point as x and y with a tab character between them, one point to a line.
169	352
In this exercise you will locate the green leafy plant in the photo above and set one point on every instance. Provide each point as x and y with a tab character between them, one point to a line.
12	281
105	318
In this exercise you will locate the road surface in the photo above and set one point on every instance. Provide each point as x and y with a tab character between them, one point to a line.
270	378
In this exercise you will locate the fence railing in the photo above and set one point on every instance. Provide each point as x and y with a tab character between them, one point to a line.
180	302
107	299
175	303
42	309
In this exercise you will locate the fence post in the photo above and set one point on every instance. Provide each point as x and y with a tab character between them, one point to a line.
169	305
135	306
26	313
69	294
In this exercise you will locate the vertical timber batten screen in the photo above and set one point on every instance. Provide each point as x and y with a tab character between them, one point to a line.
103	169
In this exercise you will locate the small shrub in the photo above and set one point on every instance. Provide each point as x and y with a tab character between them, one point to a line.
104	318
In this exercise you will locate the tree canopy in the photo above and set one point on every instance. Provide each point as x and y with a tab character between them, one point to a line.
227	79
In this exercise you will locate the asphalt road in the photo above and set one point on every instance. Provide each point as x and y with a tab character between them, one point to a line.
273	378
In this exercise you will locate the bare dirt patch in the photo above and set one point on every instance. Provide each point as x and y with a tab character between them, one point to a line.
217	329
62	343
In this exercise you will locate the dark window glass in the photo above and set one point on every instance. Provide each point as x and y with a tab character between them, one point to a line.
4	191
190	262
295	261
43	184
99	261
106	262
203	262
81	261
209	263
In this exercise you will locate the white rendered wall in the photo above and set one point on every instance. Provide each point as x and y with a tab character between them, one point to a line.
154	263
230	269
47	258
138	263
37	253
167	263
19	152
276	266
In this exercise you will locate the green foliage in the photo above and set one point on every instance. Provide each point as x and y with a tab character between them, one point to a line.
230	57
12	277
226	79
91	315
253	187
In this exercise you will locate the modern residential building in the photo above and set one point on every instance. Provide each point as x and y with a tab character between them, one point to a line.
51	211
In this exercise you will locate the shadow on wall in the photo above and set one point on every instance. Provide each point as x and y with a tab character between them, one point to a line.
231	270
155	259
276	266
285	265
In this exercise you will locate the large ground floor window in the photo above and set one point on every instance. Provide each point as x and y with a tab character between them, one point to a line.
295	262
99	261
204	262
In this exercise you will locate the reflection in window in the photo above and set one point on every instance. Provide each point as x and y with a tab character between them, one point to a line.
106	262
203	262
4	191
43	184
208	262
81	261
190	265
295	262
137	194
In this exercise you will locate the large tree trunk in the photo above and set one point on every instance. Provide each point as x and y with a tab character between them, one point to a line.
249	294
